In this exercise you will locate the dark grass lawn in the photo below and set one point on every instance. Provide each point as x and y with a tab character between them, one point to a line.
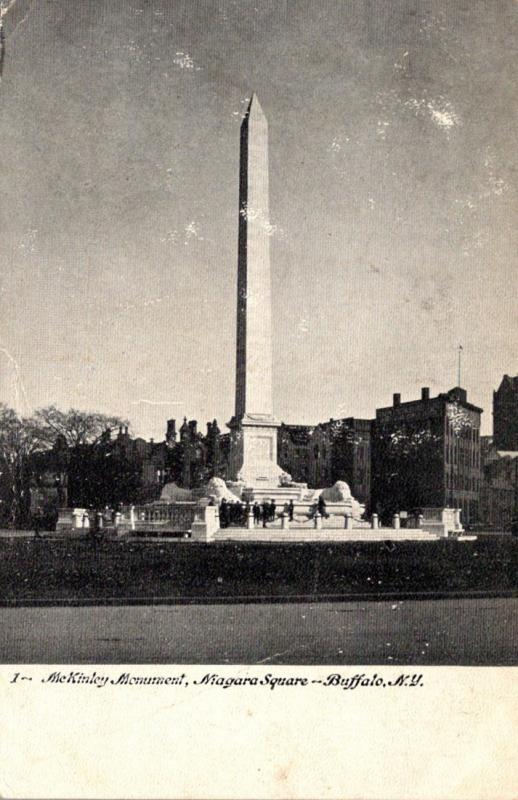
78	570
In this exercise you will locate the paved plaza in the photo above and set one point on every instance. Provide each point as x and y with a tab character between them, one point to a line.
421	632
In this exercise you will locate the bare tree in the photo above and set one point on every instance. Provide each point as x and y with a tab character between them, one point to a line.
22	437
17	444
74	426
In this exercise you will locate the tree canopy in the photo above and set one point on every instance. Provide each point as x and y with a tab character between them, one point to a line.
22	437
17	444
76	427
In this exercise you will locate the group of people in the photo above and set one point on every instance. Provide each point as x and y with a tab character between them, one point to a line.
238	513
96	519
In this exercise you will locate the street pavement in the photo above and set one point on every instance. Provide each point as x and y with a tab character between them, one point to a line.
422	632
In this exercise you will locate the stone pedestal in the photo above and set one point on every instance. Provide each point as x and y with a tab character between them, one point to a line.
66	520
443	521
81	518
253	452
204	528
281	494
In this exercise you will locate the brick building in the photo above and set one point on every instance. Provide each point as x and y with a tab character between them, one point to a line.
426	452
197	457
293	450
505	415
340	450
123	468
114	469
149	458
337	450
499	486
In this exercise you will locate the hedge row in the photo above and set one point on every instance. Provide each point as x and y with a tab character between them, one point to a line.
77	570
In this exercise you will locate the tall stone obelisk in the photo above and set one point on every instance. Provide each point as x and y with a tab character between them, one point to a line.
253	452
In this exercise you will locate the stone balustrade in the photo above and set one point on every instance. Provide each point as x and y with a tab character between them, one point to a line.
202	521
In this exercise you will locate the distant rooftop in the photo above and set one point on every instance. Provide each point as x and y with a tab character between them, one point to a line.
510	382
457	394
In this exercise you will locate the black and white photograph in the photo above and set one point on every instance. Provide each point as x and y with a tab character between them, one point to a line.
258	337
258	365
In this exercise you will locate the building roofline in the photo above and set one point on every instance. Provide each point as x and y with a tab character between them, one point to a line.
443	397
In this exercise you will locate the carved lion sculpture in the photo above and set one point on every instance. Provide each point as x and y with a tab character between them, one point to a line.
338	493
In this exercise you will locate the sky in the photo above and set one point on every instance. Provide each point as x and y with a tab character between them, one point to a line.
392	202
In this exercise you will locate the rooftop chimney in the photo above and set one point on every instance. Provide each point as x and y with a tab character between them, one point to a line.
170	435
396	399
425	393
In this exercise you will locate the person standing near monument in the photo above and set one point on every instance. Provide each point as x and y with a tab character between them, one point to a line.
99	520
223	514
321	507
38	518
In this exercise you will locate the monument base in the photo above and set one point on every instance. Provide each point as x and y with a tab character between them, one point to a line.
339	503
253	452
281	494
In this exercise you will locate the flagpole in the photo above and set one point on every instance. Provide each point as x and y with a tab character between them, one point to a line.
458	372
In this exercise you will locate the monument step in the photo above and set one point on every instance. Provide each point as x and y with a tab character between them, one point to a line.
322	535
281	494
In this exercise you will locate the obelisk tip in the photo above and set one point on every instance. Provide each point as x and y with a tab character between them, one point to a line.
254	105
